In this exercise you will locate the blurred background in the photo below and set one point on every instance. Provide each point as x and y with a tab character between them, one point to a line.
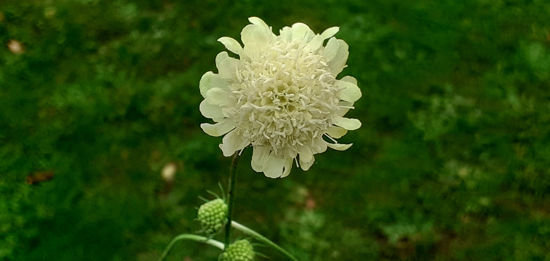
99	98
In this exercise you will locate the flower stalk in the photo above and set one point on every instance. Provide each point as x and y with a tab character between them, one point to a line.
231	196
261	238
192	237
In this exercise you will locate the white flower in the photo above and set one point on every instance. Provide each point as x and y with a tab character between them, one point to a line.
281	96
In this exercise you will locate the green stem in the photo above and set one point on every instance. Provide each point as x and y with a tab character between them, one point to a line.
259	237
231	196
197	238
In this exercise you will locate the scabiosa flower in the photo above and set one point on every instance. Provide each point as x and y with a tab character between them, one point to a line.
281	96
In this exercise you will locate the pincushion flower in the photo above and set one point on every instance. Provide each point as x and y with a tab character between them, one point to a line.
281	96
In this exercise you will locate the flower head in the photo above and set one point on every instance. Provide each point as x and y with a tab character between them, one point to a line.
240	250
281	96
212	215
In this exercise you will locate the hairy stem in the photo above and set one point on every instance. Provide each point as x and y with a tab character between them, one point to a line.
231	196
193	237
261	238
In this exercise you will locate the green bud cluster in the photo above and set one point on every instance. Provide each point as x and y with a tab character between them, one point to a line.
240	250
212	216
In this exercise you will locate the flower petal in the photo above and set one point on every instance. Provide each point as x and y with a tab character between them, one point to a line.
218	129
232	142
338	146
318	145
301	32
286	33
276	167
254	38
227	66
336	53
287	167
317	41
306	165
231	45
347	123
349	91
336	132
217	96
258	21
259	157
344	107
211	111
349	79
211	80
330	32
306	158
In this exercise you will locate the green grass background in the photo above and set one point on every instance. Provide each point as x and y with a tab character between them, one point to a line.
452	161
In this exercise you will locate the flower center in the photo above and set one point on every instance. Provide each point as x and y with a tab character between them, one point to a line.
286	97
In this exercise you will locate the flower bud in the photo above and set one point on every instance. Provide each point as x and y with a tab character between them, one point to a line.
240	250
212	216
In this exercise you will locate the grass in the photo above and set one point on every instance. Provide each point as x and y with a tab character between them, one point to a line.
451	162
